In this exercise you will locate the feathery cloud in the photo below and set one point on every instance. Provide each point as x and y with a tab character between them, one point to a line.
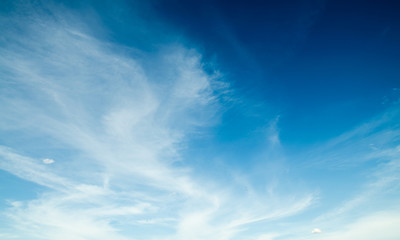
124	129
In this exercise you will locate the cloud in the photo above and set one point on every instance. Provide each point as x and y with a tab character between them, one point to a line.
379	225
118	121
373	176
316	230
368	141
47	161
118	131
29	169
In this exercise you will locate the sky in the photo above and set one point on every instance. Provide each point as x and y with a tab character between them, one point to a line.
193	120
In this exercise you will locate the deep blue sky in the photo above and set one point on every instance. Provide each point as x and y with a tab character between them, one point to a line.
326	64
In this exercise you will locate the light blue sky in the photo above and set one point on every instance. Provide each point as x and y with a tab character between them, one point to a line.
189	120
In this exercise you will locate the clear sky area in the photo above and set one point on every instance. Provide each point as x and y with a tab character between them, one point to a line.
194	120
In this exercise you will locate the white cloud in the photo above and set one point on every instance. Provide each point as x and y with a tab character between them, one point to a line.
29	169
47	161
126	130
124	119
381	225
316	230
353	148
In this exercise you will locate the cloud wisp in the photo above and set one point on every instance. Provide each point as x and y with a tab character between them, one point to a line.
124	131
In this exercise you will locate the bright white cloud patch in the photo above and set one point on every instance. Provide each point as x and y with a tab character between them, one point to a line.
316	230
47	161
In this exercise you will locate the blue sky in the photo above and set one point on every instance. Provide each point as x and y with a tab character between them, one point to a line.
225	120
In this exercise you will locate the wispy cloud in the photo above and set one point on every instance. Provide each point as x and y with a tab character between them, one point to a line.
381	225
374	139
374	191
126	129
